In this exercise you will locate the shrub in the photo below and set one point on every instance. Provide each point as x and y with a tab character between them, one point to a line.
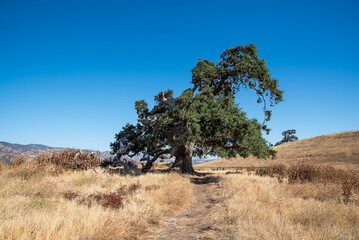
1	165
70	159
306	173
303	173
18	160
277	170
107	200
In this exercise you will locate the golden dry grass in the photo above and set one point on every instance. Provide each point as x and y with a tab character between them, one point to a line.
34	204
340	150
255	207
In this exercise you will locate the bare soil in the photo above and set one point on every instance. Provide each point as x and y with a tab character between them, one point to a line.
194	222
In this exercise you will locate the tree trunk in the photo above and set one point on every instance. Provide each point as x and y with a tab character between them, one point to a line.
183	156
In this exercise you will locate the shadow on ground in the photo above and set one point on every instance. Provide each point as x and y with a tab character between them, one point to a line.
205	180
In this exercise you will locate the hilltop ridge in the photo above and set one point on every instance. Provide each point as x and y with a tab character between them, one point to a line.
12	150
336	149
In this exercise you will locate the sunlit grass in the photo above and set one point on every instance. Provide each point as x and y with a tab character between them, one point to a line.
33	205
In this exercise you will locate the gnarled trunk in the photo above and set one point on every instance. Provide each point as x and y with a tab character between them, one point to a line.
183	154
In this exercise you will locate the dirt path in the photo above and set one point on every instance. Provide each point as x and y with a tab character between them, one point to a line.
194	222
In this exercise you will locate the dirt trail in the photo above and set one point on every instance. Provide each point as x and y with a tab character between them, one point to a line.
194	222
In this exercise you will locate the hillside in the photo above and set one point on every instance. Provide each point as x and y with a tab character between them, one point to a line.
337	150
11	150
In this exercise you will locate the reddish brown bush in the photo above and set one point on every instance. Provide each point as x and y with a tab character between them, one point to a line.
107	200
18	160
303	173
70	195
1	165
70	159
277	170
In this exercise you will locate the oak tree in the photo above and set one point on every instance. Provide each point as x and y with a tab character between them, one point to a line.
205	119
288	136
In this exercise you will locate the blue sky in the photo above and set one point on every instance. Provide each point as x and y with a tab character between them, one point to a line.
70	71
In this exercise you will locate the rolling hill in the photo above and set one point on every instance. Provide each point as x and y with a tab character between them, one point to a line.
338	150
11	150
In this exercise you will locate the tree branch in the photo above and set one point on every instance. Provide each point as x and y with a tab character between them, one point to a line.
151	161
149	121
169	102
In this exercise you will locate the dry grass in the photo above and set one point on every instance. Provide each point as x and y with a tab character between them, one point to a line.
257	207
347	180
39	201
339	150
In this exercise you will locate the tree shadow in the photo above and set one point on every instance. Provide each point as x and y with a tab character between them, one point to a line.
205	180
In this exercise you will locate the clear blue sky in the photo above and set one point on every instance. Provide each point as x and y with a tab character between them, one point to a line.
70	71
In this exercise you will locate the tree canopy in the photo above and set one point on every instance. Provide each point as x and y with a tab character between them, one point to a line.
288	136
205	119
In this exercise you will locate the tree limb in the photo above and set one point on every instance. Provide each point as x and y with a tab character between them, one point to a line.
169	102
149	121
151	161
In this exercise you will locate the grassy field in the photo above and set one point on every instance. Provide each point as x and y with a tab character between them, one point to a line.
261	208
46	203
293	199
340	150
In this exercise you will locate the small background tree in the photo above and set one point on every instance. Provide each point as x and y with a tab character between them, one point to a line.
288	136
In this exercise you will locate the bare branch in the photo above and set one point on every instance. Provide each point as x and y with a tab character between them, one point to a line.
151	161
157	150
169	102
149	121
124	148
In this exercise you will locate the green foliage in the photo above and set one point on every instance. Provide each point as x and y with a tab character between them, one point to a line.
288	136
207	118
141	108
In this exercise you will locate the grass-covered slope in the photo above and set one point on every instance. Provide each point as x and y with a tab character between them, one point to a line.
337	150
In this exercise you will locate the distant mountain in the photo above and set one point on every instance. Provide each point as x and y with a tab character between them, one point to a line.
9	151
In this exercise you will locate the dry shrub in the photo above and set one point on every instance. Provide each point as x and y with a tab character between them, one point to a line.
18	160
69	195
1	165
276	170
350	183
349	180
107	200
70	159
251	169
302	173
29	169
25	170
